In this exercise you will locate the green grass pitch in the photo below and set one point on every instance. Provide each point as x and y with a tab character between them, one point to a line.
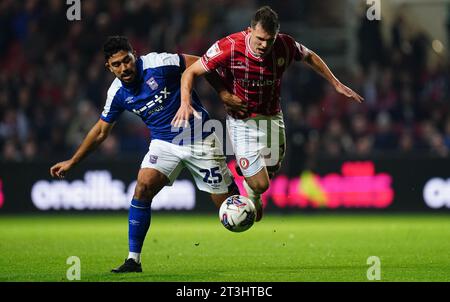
317	247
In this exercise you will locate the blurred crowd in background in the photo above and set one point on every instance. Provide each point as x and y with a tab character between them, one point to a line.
53	81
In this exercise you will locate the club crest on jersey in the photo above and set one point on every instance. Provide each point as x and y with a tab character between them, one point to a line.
280	62
152	83
153	159
243	162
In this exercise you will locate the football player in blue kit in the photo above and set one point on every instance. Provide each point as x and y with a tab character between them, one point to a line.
149	86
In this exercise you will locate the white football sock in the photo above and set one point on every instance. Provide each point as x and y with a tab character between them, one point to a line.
135	256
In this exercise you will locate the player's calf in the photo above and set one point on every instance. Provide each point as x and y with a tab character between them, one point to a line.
219	198
258	185
255	186
149	183
272	170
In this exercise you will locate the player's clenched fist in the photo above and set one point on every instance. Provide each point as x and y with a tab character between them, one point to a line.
59	170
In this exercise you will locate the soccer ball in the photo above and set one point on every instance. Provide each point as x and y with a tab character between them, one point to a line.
237	213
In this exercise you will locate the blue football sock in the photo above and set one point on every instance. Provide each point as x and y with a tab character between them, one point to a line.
139	218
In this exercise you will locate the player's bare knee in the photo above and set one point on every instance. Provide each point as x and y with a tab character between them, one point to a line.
144	192
149	183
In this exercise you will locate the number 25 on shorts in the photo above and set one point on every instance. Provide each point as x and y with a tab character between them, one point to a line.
212	176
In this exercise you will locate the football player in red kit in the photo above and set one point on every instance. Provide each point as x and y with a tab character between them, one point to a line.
251	64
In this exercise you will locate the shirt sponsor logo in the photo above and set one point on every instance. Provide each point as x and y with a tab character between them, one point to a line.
256	83
157	99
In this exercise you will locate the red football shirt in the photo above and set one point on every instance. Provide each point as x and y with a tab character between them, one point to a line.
256	80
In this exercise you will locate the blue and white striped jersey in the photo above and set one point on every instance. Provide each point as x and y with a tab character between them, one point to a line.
155	97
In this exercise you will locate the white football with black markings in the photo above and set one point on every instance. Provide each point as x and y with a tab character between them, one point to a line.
237	213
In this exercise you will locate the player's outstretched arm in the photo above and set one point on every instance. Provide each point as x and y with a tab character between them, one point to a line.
187	82
215	81
98	133
316	63
195	69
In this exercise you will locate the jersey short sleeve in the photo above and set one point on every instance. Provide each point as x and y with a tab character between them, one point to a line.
218	55
297	50
113	106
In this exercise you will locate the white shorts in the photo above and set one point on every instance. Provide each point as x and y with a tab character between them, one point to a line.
204	159
257	142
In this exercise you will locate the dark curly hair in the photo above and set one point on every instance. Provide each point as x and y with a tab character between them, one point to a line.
115	44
